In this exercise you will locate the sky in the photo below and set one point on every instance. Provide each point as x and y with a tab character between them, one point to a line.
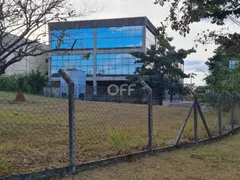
132	8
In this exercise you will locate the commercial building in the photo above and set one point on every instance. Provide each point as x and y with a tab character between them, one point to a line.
233	64
27	64
108	42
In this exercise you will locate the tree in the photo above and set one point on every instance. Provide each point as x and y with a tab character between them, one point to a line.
215	67
161	67
223	81
222	78
223	87
185	12
26	19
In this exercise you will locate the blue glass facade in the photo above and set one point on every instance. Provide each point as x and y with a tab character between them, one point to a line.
99	40
120	37
233	64
72	39
77	62
116	64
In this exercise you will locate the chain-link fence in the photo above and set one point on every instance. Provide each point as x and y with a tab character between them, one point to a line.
33	132
221	111
53	89
39	132
108	129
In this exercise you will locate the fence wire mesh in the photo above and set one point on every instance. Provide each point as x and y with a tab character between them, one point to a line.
33	133
107	129
167	120
220	111
108	126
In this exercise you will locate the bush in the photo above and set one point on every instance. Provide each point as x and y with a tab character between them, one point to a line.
118	139
36	81
33	82
11	83
213	100
188	131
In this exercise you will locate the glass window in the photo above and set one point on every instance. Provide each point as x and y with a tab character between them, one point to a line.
233	64
116	64
83	68
99	61
150	39
112	69
73	38
100	70
118	69
132	68
71	62
125	70
119	37
89	70
105	69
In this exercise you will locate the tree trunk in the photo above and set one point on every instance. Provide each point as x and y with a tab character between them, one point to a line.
160	98
2	70
171	97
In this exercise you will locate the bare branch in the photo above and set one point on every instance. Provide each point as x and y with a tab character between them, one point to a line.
21	22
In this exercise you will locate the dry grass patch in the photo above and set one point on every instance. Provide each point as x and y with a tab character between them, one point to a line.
217	161
34	134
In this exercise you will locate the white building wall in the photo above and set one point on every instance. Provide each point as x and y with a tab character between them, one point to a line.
27	64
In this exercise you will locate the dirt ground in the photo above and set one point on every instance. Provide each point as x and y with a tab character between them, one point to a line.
217	161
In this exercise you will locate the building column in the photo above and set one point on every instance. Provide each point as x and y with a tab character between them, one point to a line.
144	39
50	54
95	63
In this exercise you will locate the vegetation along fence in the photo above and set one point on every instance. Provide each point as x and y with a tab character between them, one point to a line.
67	134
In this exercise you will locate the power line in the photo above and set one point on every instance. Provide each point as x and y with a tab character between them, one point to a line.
234	20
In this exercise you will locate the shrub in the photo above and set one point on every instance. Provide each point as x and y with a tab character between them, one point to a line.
224	99
36	81
188	131
33	82
22	83
8	83
118	139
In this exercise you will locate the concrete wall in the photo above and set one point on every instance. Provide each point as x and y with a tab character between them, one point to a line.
27	64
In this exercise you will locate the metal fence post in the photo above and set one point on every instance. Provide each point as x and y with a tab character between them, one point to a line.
150	120
195	120
232	113
71	119
219	117
71	109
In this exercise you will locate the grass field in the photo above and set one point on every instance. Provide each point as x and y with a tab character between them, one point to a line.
34	134
216	161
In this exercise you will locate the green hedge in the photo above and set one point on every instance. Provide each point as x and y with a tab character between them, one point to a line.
33	82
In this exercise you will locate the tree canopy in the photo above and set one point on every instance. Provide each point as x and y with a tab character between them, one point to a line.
161	66
185	12
224	73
